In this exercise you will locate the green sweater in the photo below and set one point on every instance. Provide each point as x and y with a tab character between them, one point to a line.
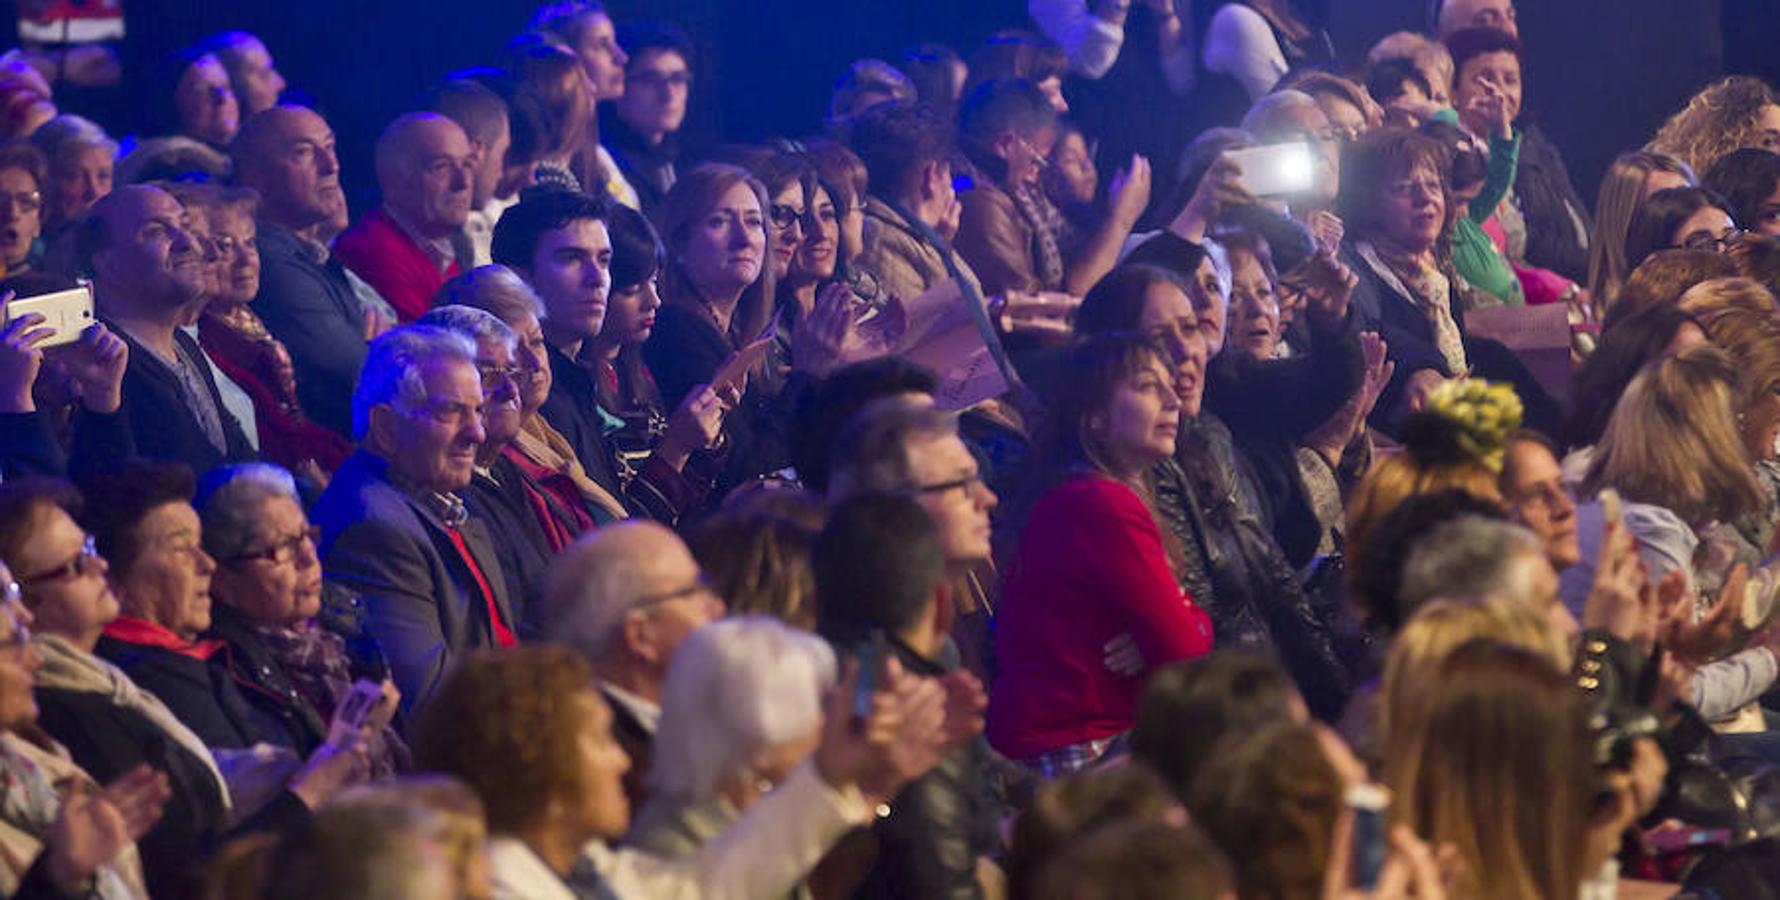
1474	255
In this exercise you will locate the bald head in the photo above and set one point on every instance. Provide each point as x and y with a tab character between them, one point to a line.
145	263
426	169
632	576
1457	15
286	153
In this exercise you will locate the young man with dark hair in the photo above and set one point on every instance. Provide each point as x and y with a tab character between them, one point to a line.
880	566
826	408
639	128
557	241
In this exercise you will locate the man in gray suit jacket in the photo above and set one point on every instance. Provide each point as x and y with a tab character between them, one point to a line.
394	532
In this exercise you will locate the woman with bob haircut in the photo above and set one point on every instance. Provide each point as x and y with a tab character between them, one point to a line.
1629	181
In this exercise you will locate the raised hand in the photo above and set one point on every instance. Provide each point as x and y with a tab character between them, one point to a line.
903	736
1129	193
1620	601
97	363
1697	642
1411	870
1328	286
20	359
818	345
696	425
333	766
1329	231
1218	192
92	828
966	700
1041	313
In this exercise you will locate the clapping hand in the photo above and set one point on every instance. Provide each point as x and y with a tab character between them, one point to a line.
93	827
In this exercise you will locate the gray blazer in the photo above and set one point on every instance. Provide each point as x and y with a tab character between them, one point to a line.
421	604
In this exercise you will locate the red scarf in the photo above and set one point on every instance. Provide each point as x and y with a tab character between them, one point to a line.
132	630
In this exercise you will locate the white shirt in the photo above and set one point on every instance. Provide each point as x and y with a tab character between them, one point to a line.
647	712
1240	44
1091	43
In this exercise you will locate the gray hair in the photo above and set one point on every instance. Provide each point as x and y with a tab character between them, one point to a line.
393	366
229	501
1472	559
476	324
493	288
69	133
871	454
595	583
1265	115
736	689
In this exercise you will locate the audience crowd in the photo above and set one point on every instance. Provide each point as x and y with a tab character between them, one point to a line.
1141	456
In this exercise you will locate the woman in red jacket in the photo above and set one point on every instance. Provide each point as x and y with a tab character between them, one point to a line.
1092	566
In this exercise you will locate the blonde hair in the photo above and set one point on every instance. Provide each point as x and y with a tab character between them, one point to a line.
1622	190
1426	55
1738	317
1720	118
1501	767
1673	441
1437	629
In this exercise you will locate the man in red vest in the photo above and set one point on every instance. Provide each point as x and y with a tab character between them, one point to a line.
405	248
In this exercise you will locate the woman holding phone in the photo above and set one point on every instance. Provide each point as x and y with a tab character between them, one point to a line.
1093	563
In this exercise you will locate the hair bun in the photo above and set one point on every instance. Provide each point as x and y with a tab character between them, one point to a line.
1469	419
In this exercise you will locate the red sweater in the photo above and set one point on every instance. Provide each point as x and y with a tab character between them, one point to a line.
379	251
1090	568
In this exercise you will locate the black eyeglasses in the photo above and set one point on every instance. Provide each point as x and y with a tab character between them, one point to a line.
280	551
964	484
81	563
1719	244
784	216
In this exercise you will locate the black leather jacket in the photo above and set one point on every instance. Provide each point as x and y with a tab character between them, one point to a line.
1248	588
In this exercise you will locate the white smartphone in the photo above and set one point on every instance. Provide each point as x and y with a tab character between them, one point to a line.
67	312
1276	169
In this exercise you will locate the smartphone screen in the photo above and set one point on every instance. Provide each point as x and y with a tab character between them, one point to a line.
1276	169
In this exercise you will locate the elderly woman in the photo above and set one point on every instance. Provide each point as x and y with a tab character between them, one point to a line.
110	725
539	449
267	588
237	341
720	744
54	843
81	160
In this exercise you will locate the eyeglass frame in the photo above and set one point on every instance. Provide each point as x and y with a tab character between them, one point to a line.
89	552
280	552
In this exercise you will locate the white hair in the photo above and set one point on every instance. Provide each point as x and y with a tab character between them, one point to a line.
230	499
1264	116
596	582
735	690
476	324
393	366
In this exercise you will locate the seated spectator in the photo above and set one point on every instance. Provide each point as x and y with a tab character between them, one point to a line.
148	273
1406	291
1634	341
842	174
1090	233
305	298
237	340
1402	89
1546	221
482	115
253	76
1343	101
1533	490
458	824
1629	181
395	531
1292	116
267	594
528	522
1748	179
1063	812
22	175
826	409
1428	57
78	843
108	723
539	449
757	555
1210	498
81	158
366	849
1057	706
1006	129
172	159
1683	218
1479	560
717	290
539	707
1501	719
907	150
624	598
200	98
1456	15
1189	708
585	29
742	707
639	129
880	567
404	248
555	79
1664	276
1017	55
1478	181
1269	798
1737	112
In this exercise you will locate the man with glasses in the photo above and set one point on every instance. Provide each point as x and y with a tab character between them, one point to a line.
639	128
394	529
624	597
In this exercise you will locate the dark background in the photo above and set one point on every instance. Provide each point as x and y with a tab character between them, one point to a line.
1601	74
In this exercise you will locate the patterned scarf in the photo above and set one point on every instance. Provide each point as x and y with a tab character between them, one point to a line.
1428	288
1045	228
548	448
315	661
